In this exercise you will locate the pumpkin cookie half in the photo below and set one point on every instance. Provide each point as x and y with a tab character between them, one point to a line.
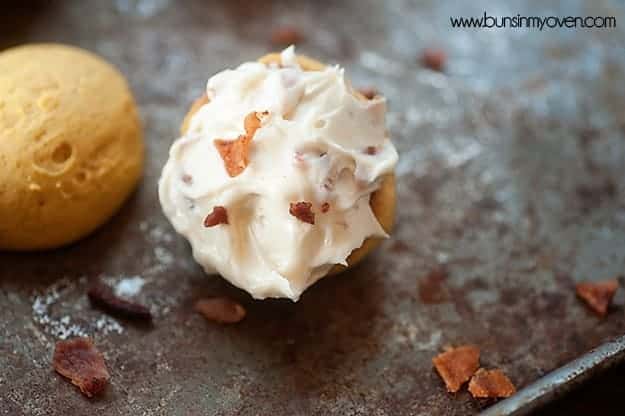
71	145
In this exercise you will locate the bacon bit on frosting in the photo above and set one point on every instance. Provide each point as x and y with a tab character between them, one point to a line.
325	207
491	384
457	365
251	123
371	150
221	310
186	178
302	211
218	216
78	360
597	295
235	153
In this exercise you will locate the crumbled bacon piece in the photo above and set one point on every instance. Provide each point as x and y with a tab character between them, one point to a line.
325	207
369	93
221	310
103	297
457	365
251	123
434	59
78	360
218	216
492	384
235	153
597	295
302	211
186	178
371	150
286	35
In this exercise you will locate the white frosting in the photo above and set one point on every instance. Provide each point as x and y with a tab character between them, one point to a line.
311	147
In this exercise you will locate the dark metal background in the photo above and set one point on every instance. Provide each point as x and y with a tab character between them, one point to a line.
512	174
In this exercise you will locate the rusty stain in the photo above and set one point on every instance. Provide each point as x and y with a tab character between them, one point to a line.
399	246
432	287
593	195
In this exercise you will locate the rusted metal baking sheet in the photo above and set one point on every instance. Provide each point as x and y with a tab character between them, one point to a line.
511	177
562	380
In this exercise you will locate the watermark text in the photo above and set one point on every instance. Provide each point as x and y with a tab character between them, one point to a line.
487	21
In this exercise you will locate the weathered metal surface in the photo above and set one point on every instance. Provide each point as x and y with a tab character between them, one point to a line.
511	175
562	380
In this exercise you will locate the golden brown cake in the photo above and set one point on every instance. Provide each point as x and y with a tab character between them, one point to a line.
71	145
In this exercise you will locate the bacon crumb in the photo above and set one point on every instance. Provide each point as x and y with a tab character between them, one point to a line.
218	216
369	92
78	360
597	295
434	59
457	365
186	178
286	35
251	123
221	310
103	297
235	153
371	150
302	211
325	207
491	384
